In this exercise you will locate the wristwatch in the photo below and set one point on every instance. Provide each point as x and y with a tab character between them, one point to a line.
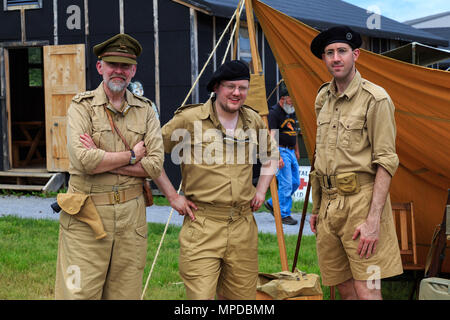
133	157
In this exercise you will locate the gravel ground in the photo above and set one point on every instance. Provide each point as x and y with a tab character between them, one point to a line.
39	208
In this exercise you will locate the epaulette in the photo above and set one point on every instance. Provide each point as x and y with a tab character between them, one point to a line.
145	99
187	106
323	86
83	95
321	93
375	90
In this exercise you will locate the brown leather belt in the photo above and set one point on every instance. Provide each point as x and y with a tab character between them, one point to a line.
118	196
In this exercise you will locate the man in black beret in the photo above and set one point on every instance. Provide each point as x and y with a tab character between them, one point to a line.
355	160
114	142
219	237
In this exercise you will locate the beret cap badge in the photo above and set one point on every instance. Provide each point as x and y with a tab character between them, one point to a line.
335	34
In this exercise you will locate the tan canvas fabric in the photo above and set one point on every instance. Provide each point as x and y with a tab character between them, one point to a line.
421	97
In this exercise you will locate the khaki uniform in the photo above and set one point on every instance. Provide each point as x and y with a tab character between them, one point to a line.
110	268
355	133
218	251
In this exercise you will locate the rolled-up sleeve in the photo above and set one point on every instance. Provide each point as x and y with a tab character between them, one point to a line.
82	160
153	161
382	132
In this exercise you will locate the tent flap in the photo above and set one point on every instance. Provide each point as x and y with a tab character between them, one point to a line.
422	100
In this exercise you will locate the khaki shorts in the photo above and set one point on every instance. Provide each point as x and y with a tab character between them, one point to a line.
110	268
337	252
219	253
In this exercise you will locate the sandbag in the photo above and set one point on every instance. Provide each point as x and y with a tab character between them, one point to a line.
285	284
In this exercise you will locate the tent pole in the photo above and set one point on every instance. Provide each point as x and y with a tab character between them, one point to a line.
302	223
257	69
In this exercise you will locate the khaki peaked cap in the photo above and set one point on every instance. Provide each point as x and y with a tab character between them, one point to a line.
121	48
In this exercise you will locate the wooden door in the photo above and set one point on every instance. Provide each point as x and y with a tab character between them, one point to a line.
64	77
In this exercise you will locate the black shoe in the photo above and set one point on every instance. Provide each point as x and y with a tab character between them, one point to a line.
268	206
289	220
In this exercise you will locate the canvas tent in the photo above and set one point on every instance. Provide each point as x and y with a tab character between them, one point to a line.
419	54
422	100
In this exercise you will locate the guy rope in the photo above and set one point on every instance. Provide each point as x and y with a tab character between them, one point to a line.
239	9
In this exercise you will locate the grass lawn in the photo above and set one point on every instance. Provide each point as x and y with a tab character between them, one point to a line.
28	250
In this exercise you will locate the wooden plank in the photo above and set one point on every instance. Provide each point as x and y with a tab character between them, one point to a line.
403	230
25	174
55	182
64	76
252	37
21	187
413	233
8	107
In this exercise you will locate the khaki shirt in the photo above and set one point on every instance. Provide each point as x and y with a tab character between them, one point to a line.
355	130
212	172
86	114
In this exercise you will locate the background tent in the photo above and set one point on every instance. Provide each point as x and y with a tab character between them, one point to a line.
418	53
422	100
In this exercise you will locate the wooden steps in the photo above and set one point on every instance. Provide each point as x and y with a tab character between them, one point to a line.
31	180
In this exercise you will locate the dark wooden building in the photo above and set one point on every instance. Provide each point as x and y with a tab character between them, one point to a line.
46	57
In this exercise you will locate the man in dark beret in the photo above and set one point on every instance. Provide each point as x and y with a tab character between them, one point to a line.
219	237
355	160
114	142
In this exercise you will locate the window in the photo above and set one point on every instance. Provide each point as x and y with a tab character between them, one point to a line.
35	67
18	4
244	45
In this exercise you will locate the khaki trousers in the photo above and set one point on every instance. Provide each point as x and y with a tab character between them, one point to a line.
219	253
110	268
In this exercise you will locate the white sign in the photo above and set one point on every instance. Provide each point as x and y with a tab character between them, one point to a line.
304	178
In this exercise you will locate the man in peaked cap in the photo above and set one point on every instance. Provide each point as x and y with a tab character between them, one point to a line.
111	170
219	237
355	160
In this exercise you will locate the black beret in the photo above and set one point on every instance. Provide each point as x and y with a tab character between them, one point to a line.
231	70
120	48
335	34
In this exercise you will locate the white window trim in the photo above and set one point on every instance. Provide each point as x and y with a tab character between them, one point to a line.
38	5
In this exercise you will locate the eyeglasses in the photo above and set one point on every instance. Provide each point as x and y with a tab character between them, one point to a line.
340	51
232	88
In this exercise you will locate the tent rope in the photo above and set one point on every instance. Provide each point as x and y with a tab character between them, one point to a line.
184	102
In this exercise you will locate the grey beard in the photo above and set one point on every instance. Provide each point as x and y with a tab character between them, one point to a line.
116	87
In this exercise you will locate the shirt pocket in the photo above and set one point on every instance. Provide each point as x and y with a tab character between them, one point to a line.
323	123
135	133
102	136
352	132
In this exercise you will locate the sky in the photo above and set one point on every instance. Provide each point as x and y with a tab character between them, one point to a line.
402	10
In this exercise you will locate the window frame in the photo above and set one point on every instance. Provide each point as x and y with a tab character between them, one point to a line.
37	4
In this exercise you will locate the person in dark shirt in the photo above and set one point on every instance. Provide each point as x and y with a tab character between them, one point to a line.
282	118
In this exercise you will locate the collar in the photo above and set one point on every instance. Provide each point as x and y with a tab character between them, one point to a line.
101	99
208	110
351	89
